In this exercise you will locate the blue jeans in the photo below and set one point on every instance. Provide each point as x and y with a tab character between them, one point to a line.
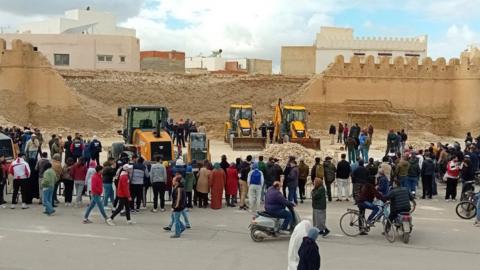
368	205
283	214
179	227
352	156
96	200
47	200
185	218
292	194
364	151
404	182
412	184
108	194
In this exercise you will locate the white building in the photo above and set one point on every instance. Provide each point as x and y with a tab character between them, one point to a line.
83	39
211	63
333	41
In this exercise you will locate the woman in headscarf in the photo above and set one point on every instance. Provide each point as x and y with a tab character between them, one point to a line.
217	183
296	239
231	187
203	185
308	252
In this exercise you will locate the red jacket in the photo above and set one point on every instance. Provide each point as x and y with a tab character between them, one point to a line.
97	184
123	189
78	172
231	187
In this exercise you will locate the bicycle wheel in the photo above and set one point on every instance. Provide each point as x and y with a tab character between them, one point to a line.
389	231
466	210
350	224
413	206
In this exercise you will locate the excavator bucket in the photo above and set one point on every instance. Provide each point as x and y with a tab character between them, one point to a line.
248	144
311	143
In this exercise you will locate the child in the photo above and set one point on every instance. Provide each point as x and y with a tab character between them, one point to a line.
178	178
178	205
123	194
97	190
48	183
319	204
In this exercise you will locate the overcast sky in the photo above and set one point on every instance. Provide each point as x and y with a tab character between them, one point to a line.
258	28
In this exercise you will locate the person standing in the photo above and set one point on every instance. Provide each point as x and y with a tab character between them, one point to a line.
345	133
386	168
123	194
330	172
245	169
365	142
217	184
21	172
391	141
427	172
414	172
79	173
108	173
139	173
190	182
76	148
178	206
263	129
271	130
48	184
303	171
340	132
308	253
292	183
97	190
351	145
319	204
255	182
68	151
332	131
158	177
263	168
40	168
231	187
3	179
453	173
95	147
372	169
401	171
343	174
67	180
203	185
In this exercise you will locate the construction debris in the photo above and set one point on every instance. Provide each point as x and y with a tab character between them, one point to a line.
286	150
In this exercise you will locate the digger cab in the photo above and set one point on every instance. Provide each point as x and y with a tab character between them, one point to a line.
294	121
240	129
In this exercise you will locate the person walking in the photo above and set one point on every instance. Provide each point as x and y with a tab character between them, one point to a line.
96	193
123	194
217	184
158	178
330	172
231	186
255	182
48	184
452	175
319	204
303	171
21	172
308	253
79	173
178	206
342	176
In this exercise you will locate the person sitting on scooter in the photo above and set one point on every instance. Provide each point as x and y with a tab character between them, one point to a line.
399	198
275	205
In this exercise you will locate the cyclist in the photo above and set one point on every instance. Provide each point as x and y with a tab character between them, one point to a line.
399	198
468	175
367	195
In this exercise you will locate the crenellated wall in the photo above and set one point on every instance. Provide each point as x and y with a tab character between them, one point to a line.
433	95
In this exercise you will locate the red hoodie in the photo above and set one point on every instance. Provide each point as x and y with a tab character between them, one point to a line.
97	184
123	189
78	172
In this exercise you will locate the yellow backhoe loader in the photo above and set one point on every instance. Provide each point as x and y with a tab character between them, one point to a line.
241	131
291	125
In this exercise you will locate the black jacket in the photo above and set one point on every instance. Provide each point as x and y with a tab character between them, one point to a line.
108	174
313	171
372	172
428	168
399	198
178	194
343	169
309	255
245	169
360	175
414	168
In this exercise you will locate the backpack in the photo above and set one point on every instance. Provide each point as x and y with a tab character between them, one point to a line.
256	178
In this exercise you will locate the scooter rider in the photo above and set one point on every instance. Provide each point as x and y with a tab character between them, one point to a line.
399	198
275	205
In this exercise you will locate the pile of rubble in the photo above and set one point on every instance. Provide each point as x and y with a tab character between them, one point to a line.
286	150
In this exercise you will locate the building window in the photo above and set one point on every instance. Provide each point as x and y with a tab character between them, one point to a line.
61	59
122	59
384	54
412	54
359	53
104	58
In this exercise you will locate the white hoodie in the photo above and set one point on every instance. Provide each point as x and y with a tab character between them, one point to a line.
19	169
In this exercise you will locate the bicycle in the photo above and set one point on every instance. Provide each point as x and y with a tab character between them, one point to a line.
467	208
402	223
357	223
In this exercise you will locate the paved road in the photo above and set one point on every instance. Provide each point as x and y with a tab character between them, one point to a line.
219	240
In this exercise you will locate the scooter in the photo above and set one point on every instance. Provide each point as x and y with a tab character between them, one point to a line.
264	226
